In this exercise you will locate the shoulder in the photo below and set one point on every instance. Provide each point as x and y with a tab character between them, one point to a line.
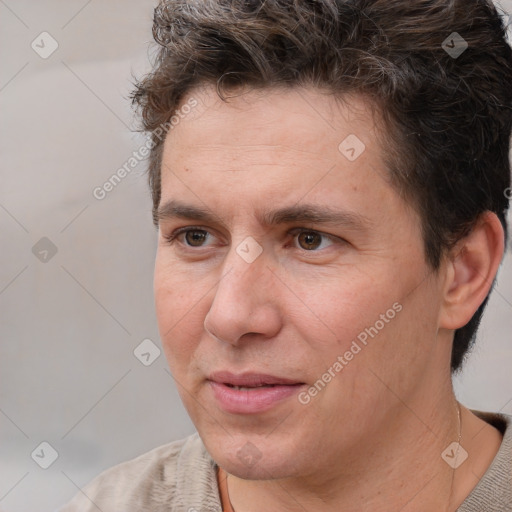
493	493
180	475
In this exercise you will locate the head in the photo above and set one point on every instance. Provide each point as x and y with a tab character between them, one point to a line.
366	109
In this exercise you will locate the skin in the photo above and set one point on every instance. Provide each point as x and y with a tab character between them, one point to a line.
372	438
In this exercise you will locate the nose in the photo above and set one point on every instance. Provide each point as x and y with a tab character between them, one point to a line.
245	304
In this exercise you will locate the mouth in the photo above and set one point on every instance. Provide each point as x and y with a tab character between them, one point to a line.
251	393
249	388
251	380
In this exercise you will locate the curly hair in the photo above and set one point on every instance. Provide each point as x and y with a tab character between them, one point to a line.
439	71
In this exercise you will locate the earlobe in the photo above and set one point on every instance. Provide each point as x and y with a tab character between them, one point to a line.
472	266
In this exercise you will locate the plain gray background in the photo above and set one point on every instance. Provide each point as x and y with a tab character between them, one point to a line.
69	325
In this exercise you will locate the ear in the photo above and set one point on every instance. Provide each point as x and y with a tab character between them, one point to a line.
472	266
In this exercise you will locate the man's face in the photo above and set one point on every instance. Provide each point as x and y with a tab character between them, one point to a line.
346	307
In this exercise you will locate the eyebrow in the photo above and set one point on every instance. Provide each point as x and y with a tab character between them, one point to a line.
300	213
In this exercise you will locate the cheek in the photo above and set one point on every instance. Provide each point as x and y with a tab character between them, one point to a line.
388	332
364	320
179	315
334	309
175	292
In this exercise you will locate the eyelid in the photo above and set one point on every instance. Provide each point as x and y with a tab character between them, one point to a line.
179	231
303	229
333	238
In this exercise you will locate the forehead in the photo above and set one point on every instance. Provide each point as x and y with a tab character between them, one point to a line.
275	146
302	119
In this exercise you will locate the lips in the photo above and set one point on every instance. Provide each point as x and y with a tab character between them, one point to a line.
250	392
251	380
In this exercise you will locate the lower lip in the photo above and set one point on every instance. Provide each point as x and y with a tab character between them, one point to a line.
241	401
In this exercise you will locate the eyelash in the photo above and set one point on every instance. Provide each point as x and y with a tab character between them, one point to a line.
170	239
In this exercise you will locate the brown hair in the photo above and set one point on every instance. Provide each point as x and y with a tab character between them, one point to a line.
448	107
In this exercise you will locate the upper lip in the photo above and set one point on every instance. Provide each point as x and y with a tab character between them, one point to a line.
250	379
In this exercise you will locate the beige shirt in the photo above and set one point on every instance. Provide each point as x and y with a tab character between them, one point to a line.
181	477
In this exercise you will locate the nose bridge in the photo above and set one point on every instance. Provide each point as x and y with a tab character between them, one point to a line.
245	266
241	302
242	284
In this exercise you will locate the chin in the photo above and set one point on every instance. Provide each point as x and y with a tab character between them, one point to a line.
261	470
252	457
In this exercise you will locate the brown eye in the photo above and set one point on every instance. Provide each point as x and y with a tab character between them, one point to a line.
196	237
309	240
